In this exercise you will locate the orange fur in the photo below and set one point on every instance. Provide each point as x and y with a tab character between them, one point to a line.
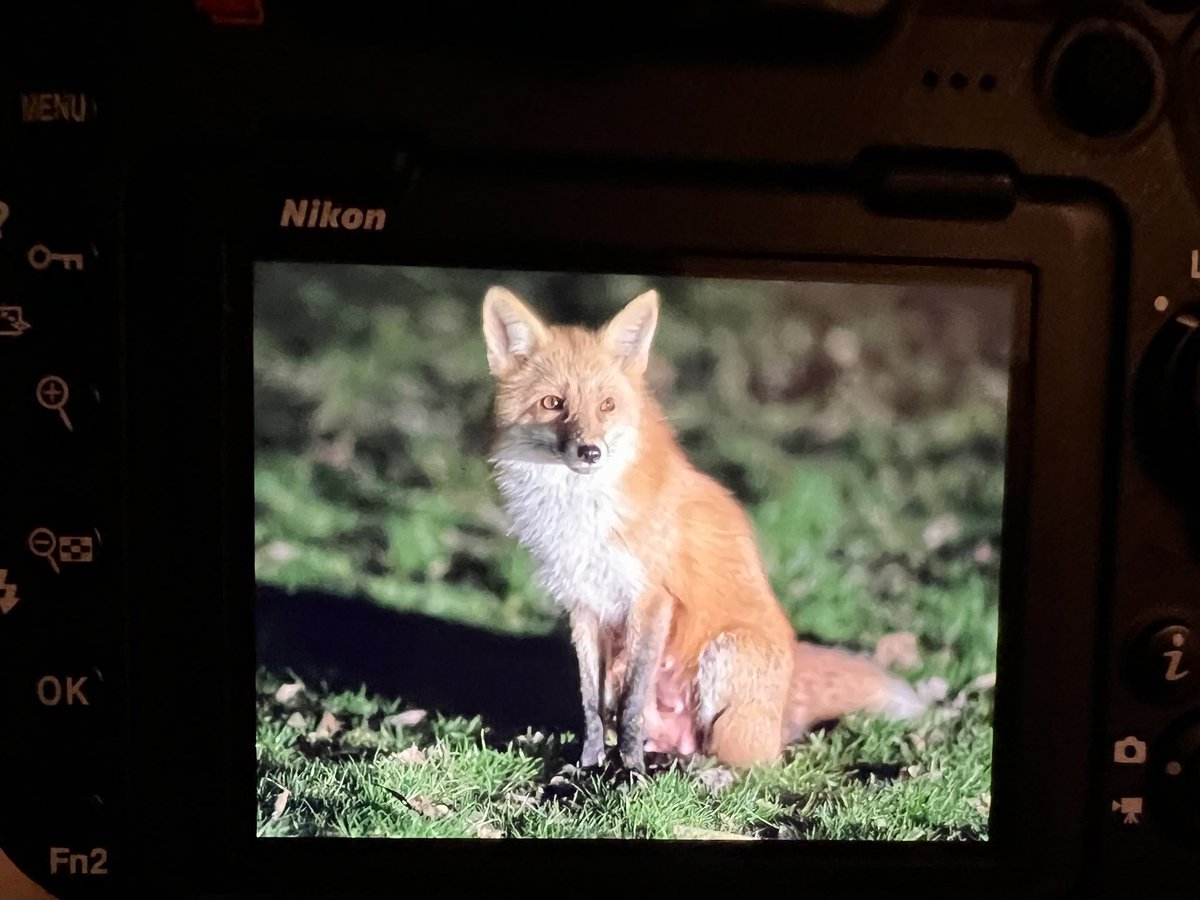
729	677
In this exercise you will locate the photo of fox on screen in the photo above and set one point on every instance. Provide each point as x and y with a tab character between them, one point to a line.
672	616
573	555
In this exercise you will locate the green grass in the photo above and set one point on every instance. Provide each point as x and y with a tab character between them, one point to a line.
827	548
863	430
864	780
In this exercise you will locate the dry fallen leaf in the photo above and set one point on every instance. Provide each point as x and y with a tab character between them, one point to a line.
715	779
689	833
407	718
296	720
410	756
941	531
288	693
985	682
842	346
982	804
898	651
483	830
326	728
427	807
280	803
932	690
280	551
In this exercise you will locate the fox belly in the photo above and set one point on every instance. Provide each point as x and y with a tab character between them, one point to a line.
671	711
726	697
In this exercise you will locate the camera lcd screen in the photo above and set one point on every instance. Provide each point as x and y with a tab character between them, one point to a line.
576	555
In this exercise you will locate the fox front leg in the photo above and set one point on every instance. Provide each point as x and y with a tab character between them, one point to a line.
646	636
586	636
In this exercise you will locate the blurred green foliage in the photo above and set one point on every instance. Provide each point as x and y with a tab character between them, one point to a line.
862	425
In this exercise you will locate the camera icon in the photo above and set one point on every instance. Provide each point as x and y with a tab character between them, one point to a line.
1129	751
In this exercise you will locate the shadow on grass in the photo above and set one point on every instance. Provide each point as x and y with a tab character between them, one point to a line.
512	682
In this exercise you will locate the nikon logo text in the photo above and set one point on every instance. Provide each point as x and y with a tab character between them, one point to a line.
323	214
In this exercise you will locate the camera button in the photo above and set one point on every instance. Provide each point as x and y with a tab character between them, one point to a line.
73	827
1166	662
1129	751
1105	78
78	861
1175	781
64	841
58	108
55	413
61	699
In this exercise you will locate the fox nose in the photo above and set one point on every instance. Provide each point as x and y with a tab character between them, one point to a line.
588	452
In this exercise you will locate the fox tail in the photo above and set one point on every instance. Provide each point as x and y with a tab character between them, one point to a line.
828	683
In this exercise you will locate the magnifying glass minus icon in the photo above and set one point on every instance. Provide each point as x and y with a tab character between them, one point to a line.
43	542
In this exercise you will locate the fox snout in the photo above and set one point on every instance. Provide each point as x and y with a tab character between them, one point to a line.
582	443
589	453
584	457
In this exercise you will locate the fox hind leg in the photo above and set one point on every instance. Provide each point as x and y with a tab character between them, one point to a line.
743	682
645	637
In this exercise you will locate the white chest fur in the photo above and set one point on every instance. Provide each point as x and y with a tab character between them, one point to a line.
569	523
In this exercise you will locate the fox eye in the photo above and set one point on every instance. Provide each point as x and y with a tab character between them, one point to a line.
552	402
607	405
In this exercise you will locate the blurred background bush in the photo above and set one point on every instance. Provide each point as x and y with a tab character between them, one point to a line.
863	426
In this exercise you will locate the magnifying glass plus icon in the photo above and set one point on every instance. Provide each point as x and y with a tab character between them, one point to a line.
42	542
53	393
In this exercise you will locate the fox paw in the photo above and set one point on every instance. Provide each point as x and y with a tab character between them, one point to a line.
633	758
592	755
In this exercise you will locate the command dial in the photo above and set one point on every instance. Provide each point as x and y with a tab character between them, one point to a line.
1168	403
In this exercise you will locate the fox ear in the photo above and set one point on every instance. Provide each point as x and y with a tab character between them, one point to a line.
511	330
631	330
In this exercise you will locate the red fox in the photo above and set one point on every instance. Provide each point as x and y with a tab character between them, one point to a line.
681	642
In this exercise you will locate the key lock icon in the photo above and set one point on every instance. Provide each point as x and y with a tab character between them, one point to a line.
41	257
